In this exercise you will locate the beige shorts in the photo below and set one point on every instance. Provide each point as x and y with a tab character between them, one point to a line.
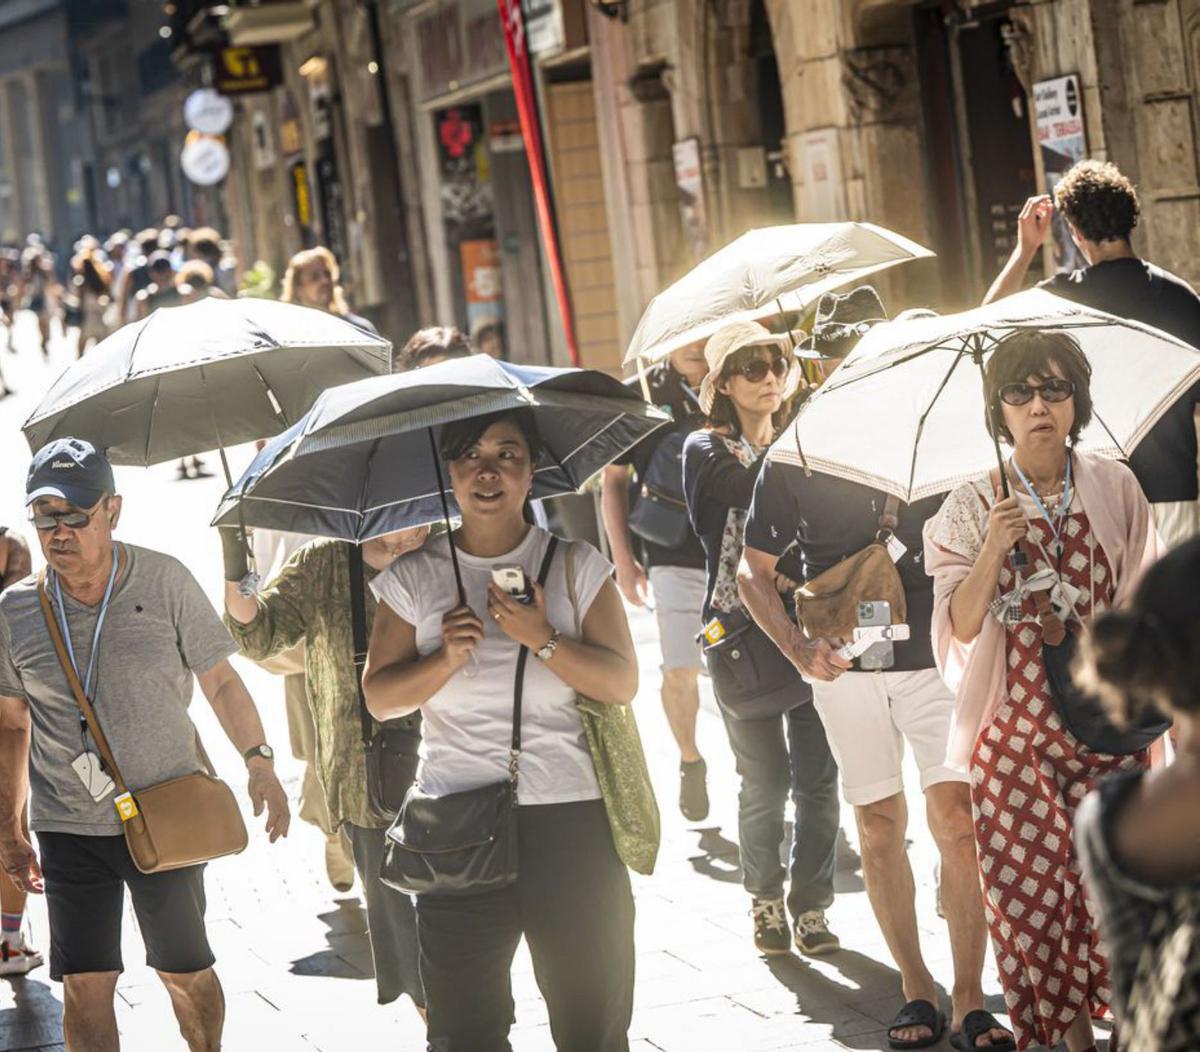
869	715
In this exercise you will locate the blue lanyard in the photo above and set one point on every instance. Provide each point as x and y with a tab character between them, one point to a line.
1056	527
66	628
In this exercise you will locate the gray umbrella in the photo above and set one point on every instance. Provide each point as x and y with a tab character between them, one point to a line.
211	374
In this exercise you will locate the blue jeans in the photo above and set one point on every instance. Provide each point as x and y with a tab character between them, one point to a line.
775	756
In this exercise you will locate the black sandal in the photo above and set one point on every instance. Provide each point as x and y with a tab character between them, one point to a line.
918	1013
975	1025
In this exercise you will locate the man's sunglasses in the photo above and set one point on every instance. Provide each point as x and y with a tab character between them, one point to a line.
1055	390
756	370
75	520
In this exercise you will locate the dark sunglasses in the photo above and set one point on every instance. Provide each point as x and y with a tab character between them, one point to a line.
74	520
1055	390
756	369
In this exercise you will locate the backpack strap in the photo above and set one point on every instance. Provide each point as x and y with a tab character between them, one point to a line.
522	658
358	625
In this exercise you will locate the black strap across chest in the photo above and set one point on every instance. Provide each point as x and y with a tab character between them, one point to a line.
523	655
358	626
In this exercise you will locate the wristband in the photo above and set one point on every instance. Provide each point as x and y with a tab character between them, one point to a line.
233	552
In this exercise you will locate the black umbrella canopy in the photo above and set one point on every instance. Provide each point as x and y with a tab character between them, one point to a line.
361	463
214	373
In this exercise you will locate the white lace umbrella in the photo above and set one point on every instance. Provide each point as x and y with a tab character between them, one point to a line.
763	273
904	413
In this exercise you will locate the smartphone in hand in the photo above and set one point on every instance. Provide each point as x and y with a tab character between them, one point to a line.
512	580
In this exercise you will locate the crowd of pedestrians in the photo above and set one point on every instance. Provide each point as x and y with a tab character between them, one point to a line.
1066	835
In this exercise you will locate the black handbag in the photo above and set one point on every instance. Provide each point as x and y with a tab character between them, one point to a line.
462	843
751	678
1084	714
660	515
391	747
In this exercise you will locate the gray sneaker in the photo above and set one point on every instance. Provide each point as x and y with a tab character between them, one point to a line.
693	790
770	927
813	936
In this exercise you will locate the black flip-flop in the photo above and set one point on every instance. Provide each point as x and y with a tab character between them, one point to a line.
975	1025
918	1013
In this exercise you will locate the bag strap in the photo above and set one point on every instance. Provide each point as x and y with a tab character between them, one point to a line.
358	627
85	706
522	658
569	569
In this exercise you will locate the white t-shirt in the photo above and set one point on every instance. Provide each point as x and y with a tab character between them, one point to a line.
467	725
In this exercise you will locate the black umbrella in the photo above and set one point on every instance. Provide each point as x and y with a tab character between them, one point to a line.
364	460
211	374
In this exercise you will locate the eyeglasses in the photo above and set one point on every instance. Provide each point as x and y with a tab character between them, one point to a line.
1054	390
756	371
74	520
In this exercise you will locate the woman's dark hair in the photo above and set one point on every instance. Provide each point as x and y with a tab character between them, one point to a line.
1098	200
1146	653
458	437
724	413
1031	352
437	341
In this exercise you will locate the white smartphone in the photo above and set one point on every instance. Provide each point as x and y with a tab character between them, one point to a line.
878	655
512	580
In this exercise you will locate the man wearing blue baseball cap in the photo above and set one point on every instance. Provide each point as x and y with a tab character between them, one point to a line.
136	628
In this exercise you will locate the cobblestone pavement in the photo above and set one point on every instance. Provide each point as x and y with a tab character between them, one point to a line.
292	954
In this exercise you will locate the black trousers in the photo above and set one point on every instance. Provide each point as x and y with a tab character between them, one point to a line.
573	904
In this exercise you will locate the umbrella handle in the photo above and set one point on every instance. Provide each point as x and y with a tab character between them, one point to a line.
437	467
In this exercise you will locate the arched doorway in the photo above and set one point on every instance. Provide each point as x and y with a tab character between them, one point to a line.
778	206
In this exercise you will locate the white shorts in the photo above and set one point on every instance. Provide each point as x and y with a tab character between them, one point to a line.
678	608
868	716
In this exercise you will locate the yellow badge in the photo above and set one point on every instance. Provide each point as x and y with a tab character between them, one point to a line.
127	807
714	631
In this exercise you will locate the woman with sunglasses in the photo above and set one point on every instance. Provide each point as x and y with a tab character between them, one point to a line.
774	731
1084	530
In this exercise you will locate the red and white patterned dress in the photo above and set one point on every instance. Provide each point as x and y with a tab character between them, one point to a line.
1028	775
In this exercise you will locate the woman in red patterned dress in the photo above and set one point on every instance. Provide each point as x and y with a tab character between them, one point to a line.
1089	535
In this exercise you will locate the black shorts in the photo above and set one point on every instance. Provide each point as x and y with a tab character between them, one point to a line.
86	878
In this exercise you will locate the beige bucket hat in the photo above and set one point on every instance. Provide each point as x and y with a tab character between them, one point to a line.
731	338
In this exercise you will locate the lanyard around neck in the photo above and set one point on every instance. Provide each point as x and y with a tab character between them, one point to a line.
1055	526
66	628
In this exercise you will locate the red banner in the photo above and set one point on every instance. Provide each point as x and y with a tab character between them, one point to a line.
531	131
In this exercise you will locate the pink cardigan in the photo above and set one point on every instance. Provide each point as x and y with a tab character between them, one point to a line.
1120	516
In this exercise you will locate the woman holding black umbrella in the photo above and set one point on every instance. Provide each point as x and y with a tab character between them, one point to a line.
1083	535
452	653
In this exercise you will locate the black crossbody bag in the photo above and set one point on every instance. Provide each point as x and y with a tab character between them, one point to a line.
391	747
462	843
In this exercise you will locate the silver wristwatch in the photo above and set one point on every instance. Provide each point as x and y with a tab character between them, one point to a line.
546	652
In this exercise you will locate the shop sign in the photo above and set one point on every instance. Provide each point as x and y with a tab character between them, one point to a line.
543	25
822	176
301	198
204	159
208	111
1062	140
264	142
247	70
689	178
485	300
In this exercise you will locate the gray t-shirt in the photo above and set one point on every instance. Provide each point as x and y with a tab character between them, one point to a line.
160	629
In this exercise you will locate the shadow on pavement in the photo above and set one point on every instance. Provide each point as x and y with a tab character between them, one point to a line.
35	1019
718	858
348	955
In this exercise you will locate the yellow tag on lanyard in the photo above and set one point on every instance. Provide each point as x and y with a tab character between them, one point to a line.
127	807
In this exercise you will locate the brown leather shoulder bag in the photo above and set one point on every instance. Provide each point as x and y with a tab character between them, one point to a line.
827	606
176	823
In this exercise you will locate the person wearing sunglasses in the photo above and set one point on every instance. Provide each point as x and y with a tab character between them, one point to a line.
139	631
776	737
1084	535
872	717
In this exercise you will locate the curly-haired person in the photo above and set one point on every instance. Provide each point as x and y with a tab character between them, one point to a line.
1100	206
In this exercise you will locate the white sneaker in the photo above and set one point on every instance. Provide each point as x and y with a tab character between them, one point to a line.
17	957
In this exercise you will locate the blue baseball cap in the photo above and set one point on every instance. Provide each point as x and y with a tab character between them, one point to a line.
72	470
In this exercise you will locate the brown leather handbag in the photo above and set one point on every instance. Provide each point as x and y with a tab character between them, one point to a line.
827	606
177	823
